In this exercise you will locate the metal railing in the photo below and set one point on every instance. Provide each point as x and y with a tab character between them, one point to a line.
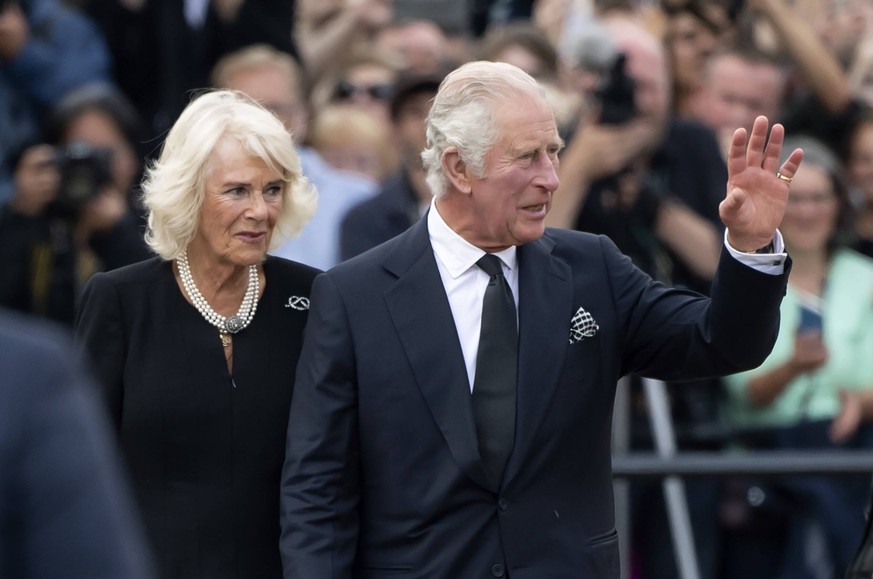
672	467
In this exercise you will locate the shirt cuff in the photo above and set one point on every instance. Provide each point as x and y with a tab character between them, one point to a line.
769	263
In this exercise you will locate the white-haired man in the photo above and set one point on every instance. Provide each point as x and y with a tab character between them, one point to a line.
424	443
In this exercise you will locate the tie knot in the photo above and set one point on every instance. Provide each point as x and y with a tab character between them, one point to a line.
490	264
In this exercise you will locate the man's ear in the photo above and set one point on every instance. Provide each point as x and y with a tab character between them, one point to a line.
455	168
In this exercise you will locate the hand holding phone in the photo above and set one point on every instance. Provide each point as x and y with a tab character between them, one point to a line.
810	318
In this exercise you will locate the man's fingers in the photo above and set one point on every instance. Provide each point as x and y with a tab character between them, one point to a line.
757	142
791	164
737	153
774	148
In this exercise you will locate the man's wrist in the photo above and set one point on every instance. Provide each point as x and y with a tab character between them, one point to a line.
769	248
750	249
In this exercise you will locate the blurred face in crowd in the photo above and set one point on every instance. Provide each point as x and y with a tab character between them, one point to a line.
242	201
350	139
647	66
420	45
736	91
509	203
813	207
98	130
523	58
276	90
860	162
367	86
36	179
691	44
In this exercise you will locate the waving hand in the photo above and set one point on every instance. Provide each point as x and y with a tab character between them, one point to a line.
757	193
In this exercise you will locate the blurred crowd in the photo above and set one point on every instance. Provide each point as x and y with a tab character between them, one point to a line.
647	94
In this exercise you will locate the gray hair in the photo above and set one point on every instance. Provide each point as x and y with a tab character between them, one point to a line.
173	187
461	115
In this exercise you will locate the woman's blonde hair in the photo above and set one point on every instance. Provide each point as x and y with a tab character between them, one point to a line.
174	185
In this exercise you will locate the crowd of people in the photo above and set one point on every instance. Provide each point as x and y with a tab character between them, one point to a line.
174	177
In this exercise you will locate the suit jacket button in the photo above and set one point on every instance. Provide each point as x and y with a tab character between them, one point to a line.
498	570
502	504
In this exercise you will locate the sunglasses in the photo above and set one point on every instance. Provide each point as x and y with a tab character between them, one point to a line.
380	92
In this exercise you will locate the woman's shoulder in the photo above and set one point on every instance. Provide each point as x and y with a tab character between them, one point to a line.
143	271
284	271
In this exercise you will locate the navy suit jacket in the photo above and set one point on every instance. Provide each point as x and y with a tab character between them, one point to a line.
383	477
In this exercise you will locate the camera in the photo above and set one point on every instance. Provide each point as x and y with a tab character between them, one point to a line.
84	171
616	94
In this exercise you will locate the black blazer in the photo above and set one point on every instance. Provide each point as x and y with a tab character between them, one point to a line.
204	448
383	477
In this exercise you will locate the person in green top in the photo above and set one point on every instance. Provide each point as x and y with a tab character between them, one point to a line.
810	392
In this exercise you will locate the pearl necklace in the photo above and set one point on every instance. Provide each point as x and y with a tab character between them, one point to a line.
231	324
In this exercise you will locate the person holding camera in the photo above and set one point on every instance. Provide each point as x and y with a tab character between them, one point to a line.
631	171
72	212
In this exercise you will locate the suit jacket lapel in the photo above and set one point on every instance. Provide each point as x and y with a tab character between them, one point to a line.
545	301
420	312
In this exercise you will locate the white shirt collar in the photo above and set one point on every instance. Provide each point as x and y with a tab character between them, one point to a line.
456	253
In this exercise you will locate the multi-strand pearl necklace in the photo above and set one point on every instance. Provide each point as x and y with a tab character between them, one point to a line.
231	324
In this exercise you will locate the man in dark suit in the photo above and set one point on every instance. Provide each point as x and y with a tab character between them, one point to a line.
393	468
65	510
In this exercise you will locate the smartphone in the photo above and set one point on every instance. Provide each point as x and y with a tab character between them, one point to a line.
810	318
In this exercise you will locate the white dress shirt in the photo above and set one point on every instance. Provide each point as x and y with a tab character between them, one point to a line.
465	282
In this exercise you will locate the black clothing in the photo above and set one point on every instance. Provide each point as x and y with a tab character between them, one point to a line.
159	58
204	447
39	260
391	212
688	166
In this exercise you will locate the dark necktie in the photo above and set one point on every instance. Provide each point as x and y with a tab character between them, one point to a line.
494	386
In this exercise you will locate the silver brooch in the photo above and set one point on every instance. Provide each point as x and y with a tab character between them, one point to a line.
298	303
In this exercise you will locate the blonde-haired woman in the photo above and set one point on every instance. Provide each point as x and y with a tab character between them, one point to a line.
196	349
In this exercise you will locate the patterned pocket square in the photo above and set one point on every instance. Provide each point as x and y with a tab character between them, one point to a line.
582	326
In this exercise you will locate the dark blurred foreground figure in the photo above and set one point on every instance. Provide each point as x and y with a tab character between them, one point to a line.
65	510
196	349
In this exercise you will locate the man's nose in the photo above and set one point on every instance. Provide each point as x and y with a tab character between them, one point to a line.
549	172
